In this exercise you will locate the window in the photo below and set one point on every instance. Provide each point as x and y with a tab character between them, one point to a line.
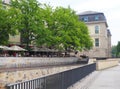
97	42
86	19
82	18
96	29
96	17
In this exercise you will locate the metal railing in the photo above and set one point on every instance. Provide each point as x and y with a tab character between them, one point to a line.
61	80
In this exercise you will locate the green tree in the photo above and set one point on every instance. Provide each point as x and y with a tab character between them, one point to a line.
30	18
67	32
7	23
114	51
118	49
44	35
59	28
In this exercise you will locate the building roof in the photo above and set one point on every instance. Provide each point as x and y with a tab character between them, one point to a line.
108	32
92	16
90	12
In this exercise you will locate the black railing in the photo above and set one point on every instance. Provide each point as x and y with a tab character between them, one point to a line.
61	80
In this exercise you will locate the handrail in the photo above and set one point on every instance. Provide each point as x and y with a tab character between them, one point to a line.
61	80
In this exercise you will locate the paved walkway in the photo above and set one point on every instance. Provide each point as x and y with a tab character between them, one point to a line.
105	79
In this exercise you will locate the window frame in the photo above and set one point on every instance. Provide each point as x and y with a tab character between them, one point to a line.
97	42
86	19
96	17
97	29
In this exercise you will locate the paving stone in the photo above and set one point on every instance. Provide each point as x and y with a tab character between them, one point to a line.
105	79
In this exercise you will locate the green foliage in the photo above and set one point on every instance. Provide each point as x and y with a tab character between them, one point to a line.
118	49
29	17
3	32
114	51
67	31
42	25
44	34
7	23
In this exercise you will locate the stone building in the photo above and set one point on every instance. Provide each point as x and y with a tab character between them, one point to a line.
99	32
6	1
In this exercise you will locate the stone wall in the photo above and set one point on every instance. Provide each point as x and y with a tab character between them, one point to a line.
103	64
8	62
14	39
13	76
19	76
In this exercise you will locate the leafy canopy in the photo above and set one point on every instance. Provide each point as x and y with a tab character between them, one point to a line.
42	25
118	49
65	30
8	22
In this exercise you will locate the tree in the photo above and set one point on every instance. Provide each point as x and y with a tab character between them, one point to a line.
59	28
30	18
114	51
7	23
4	36
44	35
67	31
118	49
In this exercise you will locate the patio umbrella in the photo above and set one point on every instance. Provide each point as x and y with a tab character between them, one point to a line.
17	48
5	47
1	47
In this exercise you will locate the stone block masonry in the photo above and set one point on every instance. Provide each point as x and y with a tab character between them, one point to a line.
12	62
15	76
104	64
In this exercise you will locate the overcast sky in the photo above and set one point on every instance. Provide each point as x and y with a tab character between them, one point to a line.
111	9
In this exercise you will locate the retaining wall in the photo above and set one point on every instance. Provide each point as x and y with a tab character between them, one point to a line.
8	62
103	64
23	75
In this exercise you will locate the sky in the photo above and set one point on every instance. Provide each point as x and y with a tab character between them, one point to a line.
110	8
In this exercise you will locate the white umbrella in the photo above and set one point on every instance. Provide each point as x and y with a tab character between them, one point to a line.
5	48
1	47
17	48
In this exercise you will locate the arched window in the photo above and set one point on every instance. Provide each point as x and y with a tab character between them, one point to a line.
96	29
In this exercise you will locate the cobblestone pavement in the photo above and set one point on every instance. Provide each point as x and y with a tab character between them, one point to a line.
105	79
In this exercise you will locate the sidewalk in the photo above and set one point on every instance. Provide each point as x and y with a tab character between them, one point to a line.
105	79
